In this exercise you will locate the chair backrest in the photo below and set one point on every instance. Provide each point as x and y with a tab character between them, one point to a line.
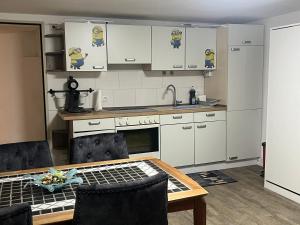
141	202
16	215
25	155
99	147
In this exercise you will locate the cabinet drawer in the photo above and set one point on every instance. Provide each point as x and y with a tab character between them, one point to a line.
176	118
246	34
95	124
209	116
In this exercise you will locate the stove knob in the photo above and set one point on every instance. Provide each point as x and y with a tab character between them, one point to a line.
155	121
120	123
140	122
127	123
145	122
150	121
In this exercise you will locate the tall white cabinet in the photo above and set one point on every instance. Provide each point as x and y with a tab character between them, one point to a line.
238	83
283	121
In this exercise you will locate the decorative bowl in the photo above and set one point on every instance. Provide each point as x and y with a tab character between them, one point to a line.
54	179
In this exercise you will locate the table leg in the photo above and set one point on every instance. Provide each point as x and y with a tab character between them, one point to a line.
199	211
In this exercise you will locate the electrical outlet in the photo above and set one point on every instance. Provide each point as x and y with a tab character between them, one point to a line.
105	99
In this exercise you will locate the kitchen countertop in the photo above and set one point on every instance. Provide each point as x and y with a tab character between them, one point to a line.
151	110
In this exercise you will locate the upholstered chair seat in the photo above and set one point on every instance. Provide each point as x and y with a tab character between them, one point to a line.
99	147
141	202
25	155
16	215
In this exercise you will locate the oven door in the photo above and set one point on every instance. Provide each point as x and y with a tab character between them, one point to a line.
142	140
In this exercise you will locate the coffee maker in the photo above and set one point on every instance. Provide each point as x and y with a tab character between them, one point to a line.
73	96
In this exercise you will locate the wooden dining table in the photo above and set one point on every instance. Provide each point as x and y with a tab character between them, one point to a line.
58	207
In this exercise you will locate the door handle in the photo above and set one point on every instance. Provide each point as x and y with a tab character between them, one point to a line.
177	117
233	158
129	59
235	49
177	66
187	128
246	42
210	114
192	66
94	124
98	67
201	126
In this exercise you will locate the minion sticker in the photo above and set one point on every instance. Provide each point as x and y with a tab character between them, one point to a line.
176	36
77	59
209	59
97	36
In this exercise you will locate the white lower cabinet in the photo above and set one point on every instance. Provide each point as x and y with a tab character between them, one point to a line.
177	144
210	142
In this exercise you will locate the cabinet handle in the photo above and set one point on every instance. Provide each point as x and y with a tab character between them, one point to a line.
233	158
129	59
246	42
210	114
177	117
235	49
202	126
187	128
177	66
192	66
94	124
98	67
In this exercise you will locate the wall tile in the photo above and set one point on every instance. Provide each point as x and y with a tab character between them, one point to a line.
55	122
107	80
124	97
183	79
107	99
130	79
152	79
146	97
164	97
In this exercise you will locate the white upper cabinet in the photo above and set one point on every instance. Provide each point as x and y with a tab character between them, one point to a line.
241	34
200	49
85	45
128	44
168	48
245	69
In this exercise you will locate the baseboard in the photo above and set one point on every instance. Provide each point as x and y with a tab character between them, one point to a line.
218	166
281	191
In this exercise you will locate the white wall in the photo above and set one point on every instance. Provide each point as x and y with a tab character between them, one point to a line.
281	20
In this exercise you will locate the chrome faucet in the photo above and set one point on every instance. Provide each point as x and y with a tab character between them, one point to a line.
175	102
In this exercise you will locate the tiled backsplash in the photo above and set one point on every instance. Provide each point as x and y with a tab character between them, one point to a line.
126	86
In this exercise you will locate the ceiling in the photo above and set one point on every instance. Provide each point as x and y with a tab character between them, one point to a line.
214	11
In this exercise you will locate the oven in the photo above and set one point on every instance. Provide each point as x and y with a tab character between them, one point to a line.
141	133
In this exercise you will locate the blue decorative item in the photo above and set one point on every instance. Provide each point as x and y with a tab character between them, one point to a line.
67	178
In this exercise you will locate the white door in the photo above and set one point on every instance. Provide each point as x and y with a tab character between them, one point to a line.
243	134
177	144
210	142
168	48
200	49
129	44
85	45
283	123
245	69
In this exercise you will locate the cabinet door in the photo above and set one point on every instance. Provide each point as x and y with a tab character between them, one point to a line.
241	34
243	134
128	44
245	69
210	142
85	45
200	49
177	144
168	48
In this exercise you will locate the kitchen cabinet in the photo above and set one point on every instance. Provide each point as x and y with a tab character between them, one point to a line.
210	137
168	48
243	134
200	49
85	46
128	44
245	77
177	144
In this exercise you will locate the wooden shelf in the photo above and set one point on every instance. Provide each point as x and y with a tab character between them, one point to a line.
53	35
61	52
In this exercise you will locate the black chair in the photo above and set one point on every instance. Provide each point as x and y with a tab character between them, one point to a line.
141	202
99	147
25	155
16	215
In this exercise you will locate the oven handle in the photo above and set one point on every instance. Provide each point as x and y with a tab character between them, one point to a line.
138	127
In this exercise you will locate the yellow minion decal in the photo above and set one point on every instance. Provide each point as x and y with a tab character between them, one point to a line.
209	58
176	36
97	36
77	59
